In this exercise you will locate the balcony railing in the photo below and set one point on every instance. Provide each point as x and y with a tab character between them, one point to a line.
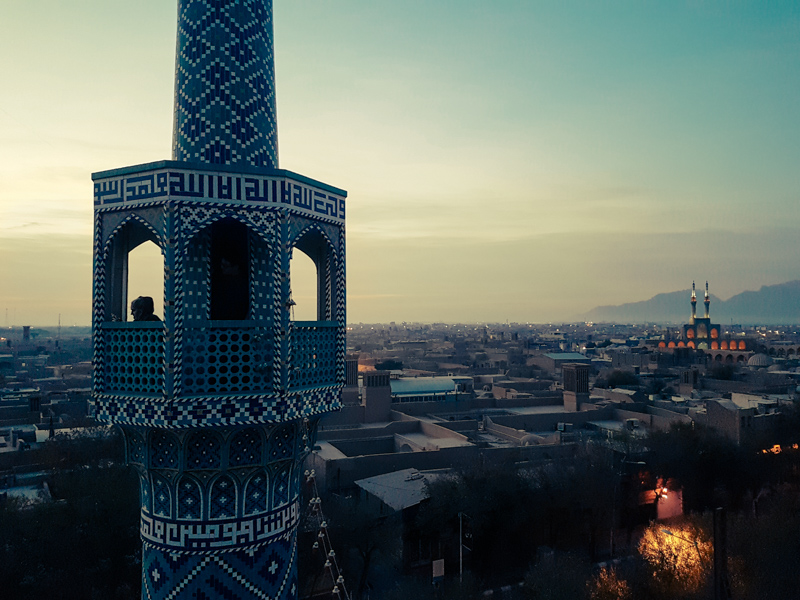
215	358
132	358
227	357
313	354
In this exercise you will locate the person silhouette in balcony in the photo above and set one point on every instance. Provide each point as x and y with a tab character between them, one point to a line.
142	309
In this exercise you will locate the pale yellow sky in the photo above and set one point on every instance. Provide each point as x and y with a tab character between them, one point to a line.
505	160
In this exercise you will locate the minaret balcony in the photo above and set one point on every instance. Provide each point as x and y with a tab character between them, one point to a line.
219	358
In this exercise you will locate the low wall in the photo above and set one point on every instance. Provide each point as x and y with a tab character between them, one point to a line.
388	430
341	474
548	422
349	414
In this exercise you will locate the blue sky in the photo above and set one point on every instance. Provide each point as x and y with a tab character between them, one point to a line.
506	160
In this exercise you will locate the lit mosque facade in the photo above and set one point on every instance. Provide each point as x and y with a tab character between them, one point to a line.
701	334
219	401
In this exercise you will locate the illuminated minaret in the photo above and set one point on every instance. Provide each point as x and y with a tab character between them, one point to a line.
219	402
707	302
694	304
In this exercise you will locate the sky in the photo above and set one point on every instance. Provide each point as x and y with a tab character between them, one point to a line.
507	160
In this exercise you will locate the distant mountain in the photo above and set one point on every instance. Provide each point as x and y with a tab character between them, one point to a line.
772	304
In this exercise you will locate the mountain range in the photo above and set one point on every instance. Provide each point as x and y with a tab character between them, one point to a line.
771	305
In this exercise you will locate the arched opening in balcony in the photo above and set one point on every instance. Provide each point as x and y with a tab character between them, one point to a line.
146	276
312	276
134	266
229	271
303	283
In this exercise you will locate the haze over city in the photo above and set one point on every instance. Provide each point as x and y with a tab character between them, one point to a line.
504	160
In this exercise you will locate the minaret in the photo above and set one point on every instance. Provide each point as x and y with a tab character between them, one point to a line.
694	305
219	402
707	302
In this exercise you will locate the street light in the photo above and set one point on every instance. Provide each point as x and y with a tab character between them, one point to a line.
693	542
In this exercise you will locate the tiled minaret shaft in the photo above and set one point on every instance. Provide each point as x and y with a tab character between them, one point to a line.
219	402
225	84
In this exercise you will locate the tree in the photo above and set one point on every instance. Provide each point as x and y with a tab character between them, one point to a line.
557	576
607	585
360	536
618	378
679	559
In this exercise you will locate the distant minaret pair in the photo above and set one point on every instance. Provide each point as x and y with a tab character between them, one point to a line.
706	301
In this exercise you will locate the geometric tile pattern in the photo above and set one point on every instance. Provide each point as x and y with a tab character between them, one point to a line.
162	498
190	499
164	450
204	451
255	496
245	448
205	411
225	358
281	443
134	359
224	84
313	355
151	185
281	489
223	498
266	572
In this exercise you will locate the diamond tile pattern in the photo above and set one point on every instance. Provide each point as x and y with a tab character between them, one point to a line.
225	84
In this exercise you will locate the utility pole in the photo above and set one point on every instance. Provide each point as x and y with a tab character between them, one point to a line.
722	590
460	548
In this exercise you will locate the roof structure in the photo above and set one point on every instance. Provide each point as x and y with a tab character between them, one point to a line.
401	489
423	385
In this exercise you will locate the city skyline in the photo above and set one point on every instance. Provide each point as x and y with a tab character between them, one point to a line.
503	162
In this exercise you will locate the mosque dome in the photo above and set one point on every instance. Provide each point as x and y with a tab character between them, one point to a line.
759	360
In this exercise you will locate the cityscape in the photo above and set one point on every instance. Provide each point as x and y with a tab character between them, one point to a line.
205	392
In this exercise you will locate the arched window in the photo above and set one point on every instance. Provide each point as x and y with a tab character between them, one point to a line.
203	451
162	498
164	448
229	271
255	494
144	492
281	491
223	498
245	448
190	501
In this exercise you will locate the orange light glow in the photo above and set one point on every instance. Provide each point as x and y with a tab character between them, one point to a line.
715	345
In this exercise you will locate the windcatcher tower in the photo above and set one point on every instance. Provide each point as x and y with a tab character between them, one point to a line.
219	402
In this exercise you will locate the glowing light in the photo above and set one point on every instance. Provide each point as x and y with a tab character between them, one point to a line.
680	557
